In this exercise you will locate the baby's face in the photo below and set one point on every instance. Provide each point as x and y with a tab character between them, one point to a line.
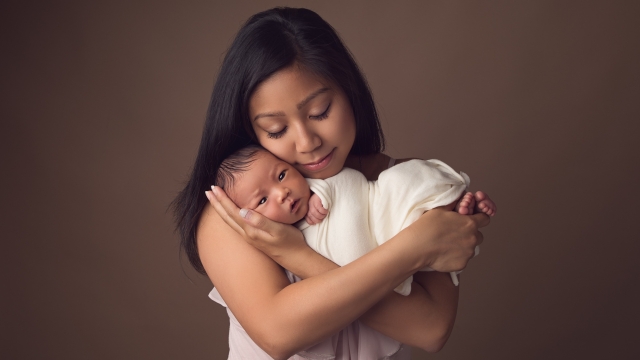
273	188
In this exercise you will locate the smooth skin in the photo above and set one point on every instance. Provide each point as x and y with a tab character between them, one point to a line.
308	122
272	188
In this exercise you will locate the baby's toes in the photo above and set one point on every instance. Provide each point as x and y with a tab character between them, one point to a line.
472	200
490	204
494	208
462	207
488	207
480	196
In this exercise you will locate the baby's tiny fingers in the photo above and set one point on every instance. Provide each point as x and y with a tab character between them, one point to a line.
311	219
321	209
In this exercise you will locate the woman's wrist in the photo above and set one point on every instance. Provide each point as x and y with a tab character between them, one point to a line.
304	262
414	238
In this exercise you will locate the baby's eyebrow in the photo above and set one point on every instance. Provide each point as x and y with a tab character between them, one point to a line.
272	172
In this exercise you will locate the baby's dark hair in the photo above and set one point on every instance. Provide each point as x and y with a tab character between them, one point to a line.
236	164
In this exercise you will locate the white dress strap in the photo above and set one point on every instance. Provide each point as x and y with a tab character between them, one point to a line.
392	162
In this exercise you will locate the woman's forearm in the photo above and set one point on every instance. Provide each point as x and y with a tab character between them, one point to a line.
306	263
423	319
285	318
323	304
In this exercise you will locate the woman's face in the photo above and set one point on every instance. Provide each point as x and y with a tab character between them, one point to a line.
304	120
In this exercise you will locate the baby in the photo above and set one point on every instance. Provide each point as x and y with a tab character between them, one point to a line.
346	206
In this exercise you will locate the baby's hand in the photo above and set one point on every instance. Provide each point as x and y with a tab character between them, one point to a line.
316	212
474	203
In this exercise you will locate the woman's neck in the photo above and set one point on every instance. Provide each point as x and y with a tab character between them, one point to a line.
369	165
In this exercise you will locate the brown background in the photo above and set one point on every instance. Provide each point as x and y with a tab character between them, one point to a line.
102	108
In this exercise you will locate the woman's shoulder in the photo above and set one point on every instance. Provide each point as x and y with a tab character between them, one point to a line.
369	165
235	268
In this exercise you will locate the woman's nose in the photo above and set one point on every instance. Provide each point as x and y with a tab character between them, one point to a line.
307	140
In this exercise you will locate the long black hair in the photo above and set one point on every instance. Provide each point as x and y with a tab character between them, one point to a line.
269	41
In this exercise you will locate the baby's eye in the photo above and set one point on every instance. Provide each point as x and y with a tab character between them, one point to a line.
263	200
282	175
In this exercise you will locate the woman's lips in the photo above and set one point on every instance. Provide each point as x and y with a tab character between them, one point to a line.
321	164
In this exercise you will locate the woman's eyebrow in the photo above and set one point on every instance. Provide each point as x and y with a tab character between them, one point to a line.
310	97
278	113
299	105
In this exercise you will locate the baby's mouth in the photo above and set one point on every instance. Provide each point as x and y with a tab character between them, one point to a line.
294	205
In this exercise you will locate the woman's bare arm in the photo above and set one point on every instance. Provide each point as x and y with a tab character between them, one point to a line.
285	318
420	319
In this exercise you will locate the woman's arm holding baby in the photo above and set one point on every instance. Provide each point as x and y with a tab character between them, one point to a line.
424	318
442	232
285	318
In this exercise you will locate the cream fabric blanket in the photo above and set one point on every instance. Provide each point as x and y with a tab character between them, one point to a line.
364	214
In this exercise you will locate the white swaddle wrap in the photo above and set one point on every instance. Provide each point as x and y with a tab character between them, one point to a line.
364	214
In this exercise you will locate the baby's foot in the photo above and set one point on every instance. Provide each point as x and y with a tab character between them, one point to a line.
466	205
485	204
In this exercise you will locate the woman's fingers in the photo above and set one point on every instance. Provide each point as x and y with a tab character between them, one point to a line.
480	238
481	219
456	238
223	211
271	237
234	216
254	225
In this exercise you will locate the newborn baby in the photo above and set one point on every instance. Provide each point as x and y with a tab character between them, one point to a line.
346	215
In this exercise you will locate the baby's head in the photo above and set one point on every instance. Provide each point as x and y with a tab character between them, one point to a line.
255	179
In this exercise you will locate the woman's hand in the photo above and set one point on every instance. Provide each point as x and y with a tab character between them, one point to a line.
448	237
272	238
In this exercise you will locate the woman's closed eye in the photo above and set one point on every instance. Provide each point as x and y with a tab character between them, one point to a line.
277	135
322	116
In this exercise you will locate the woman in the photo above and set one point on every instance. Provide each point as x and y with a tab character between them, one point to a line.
288	83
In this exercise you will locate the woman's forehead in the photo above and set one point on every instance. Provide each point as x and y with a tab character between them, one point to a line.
290	87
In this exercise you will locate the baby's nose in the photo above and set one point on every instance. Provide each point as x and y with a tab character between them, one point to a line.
284	193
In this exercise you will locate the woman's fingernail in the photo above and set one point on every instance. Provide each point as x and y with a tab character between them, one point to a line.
208	194
244	213
215	190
